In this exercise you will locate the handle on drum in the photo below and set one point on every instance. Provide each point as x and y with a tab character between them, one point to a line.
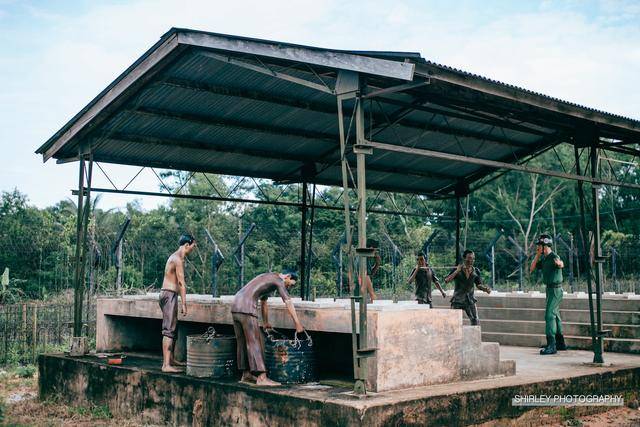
269	332
297	341
210	334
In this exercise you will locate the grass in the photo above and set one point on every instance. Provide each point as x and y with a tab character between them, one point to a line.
31	411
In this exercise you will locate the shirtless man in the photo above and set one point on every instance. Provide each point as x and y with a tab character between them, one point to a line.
250	345
172	285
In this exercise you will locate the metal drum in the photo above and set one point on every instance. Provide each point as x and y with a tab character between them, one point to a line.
211	356
290	361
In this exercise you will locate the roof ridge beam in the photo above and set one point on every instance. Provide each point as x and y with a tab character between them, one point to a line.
321	57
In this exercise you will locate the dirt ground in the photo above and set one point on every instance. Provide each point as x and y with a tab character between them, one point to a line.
19	406
623	416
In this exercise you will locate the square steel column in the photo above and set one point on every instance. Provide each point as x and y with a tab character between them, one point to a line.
82	220
597	256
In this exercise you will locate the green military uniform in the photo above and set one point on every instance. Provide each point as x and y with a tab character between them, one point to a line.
552	278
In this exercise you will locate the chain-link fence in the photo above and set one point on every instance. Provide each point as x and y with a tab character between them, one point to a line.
27	330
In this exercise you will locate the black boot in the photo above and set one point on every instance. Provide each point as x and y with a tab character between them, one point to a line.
551	346
560	344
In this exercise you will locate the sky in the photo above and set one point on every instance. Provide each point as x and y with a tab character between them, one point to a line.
55	56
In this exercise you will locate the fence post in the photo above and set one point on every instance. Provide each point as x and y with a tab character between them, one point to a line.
614	269
34	338
6	338
24	331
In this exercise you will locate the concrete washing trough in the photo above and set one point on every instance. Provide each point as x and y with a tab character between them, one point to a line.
416	345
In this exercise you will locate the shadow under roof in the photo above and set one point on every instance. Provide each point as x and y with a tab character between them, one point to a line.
222	104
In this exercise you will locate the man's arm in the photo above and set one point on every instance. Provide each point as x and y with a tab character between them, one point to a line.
182	286
534	263
453	274
558	262
292	312
290	308
478	283
412	276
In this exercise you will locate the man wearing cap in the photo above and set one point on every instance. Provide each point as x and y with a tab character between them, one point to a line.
551	266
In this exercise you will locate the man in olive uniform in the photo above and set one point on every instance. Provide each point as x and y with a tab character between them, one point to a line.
466	277
551	266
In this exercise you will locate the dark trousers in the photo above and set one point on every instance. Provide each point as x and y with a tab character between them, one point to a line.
470	309
250	344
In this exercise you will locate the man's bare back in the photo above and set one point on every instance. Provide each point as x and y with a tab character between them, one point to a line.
170	281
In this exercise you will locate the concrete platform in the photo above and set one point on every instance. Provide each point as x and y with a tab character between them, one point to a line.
416	345
140	389
518	319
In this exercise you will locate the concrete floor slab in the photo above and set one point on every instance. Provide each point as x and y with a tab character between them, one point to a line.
138	387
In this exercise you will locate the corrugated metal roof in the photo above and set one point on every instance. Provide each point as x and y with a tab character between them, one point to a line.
179	107
531	92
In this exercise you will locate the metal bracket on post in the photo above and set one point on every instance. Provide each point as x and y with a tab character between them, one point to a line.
366	252
217	258
362	149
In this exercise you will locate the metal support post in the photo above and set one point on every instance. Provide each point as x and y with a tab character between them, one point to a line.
303	241
85	228
78	278
216	261
426	246
309	249
598	258
347	225
597	354
458	213
363	350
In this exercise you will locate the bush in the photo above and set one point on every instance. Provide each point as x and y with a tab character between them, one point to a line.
27	371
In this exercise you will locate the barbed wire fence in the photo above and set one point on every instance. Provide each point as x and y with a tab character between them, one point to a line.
27	328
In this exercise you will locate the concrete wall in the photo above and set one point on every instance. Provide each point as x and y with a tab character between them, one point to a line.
416	345
415	349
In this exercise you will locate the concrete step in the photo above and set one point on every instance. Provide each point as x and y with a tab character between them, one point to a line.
507	367
569	328
574	342
528	301
472	335
579	316
490	358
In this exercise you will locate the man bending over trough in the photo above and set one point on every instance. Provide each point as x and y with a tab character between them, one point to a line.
250	344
